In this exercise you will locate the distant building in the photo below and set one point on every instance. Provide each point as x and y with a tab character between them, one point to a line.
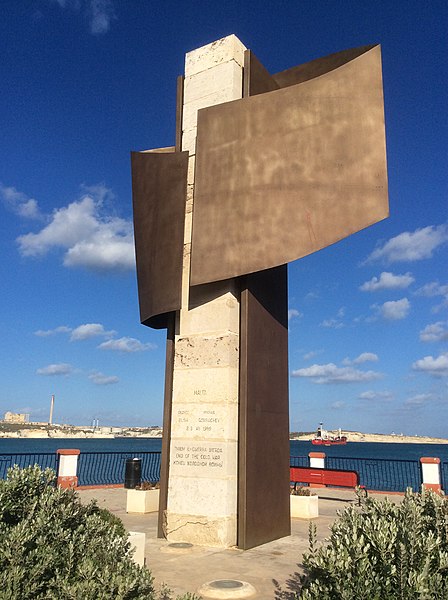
11	417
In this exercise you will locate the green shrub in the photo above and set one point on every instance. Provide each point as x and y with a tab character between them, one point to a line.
54	547
382	551
300	490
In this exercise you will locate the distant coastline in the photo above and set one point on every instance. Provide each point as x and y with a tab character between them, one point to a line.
358	436
44	431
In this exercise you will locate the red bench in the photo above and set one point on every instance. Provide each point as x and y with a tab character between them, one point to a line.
323	477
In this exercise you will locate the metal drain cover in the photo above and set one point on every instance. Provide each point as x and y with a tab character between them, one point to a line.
226	584
180	545
226	589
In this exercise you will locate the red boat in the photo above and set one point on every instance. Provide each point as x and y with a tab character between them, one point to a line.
323	438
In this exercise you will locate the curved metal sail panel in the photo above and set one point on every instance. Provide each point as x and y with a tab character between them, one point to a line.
159	181
285	173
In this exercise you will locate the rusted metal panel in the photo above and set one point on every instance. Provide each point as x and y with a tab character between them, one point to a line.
263	497
283	174
167	412
159	180
318	67
257	79
179	111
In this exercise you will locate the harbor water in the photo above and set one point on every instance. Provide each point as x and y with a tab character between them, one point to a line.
372	450
380	466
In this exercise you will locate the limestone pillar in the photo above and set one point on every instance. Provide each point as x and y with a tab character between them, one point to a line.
203	478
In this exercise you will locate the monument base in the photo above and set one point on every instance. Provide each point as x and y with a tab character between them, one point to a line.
202	531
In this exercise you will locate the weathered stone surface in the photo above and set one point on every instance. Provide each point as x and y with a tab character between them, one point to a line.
205	531
189	205
190	171
218	315
188	225
142	501
227	94
209	384
209	82
137	540
211	55
203	470
201	351
304	507
189	140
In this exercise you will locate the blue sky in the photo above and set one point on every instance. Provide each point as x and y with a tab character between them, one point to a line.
86	81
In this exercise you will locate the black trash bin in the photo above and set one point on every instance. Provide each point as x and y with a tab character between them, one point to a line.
133	473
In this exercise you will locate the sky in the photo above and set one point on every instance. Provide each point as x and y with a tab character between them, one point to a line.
84	82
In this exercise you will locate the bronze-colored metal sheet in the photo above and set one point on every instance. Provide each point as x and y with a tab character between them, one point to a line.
318	67
159	182
263	495
179	111
256	78
285	173
167	414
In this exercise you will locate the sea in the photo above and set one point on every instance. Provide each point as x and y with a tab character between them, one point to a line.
380	466
373	450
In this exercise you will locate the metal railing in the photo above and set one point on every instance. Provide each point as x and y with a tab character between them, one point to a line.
107	468
299	461
444	476
380	473
43	459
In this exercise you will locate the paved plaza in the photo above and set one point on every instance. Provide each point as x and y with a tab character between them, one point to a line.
272	569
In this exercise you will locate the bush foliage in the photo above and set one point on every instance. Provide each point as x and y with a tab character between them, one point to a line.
382	551
54	547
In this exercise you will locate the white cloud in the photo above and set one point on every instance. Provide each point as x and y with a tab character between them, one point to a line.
411	246
433	289
330	373
418	400
371	395
394	310
74	4
99	378
82	332
49	332
56	369
313	295
338	405
430	290
294	313
89	238
335	322
365	357
331	324
362	358
436	332
100	13
19	203
126	344
311	354
437	367
387	281
89	330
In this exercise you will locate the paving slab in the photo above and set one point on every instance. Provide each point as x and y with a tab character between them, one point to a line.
273	569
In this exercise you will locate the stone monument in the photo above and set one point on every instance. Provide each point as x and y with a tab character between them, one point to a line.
265	170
